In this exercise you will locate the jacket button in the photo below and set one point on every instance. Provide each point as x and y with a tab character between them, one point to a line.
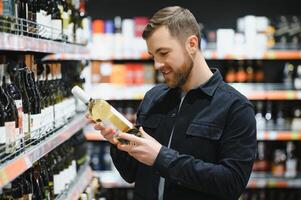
179	183
173	114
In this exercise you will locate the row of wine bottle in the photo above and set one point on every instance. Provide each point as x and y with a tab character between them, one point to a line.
271	194
50	176
60	20
33	103
278	159
278	115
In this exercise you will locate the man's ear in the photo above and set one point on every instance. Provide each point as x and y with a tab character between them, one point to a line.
192	44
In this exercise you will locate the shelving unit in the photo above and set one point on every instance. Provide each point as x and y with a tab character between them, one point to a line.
11	42
268	181
261	136
82	180
267	55
15	167
109	179
251	91
209	54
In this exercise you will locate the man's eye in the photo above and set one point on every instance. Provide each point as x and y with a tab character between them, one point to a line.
163	53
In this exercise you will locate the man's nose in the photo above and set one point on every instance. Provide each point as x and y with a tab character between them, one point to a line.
158	65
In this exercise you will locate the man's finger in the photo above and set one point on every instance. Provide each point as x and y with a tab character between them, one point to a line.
130	148
130	137
99	126
144	134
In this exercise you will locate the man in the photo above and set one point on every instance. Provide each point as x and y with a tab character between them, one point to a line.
199	134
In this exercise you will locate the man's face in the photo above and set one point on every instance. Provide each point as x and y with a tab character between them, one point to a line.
170	57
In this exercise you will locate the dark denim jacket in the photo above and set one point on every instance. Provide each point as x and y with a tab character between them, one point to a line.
212	149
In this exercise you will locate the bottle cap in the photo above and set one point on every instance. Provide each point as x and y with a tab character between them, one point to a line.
80	94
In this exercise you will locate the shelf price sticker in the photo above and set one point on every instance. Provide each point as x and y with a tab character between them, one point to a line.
270	55
291	95
298	94
273	135
3	177
295	135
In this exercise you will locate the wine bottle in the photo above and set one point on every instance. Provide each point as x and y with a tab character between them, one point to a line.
2	131
15	94
10	121
20	83
11	92
56	22
101	111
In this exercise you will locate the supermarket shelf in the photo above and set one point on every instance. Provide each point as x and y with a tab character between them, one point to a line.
112	179
279	135
83	179
208	54
11	42
261	135
268	55
88	56
268	181
15	167
251	91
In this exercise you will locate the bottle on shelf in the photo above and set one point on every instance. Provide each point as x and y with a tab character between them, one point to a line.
296	121
101	110
269	116
291	160
281	122
258	71
231	73
2	131
249	72
278	164
297	80
56	22
11	119
14	93
262	163
260	119
241	74
288	73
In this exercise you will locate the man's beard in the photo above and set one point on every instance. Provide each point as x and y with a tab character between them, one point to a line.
180	78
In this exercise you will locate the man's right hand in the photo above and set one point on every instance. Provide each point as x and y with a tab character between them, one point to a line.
106	132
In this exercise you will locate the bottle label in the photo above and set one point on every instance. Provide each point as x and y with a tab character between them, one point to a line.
10	129
26	126
56	25
43	118
34	125
2	135
56	183
18	138
20	119
49	116
291	168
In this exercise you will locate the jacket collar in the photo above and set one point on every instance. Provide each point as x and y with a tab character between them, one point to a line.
210	86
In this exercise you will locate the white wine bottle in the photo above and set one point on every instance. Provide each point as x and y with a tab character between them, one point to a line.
101	111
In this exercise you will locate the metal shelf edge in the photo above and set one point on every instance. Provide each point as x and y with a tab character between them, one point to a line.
14	168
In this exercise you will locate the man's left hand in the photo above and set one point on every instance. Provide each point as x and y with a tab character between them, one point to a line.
144	149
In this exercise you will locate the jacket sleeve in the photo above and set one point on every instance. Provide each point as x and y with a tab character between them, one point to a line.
125	164
228	177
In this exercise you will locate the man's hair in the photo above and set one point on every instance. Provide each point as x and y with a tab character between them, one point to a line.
179	21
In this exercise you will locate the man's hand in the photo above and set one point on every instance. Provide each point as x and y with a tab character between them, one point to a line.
144	149
107	133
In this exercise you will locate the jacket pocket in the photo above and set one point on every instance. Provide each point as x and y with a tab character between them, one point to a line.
204	130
